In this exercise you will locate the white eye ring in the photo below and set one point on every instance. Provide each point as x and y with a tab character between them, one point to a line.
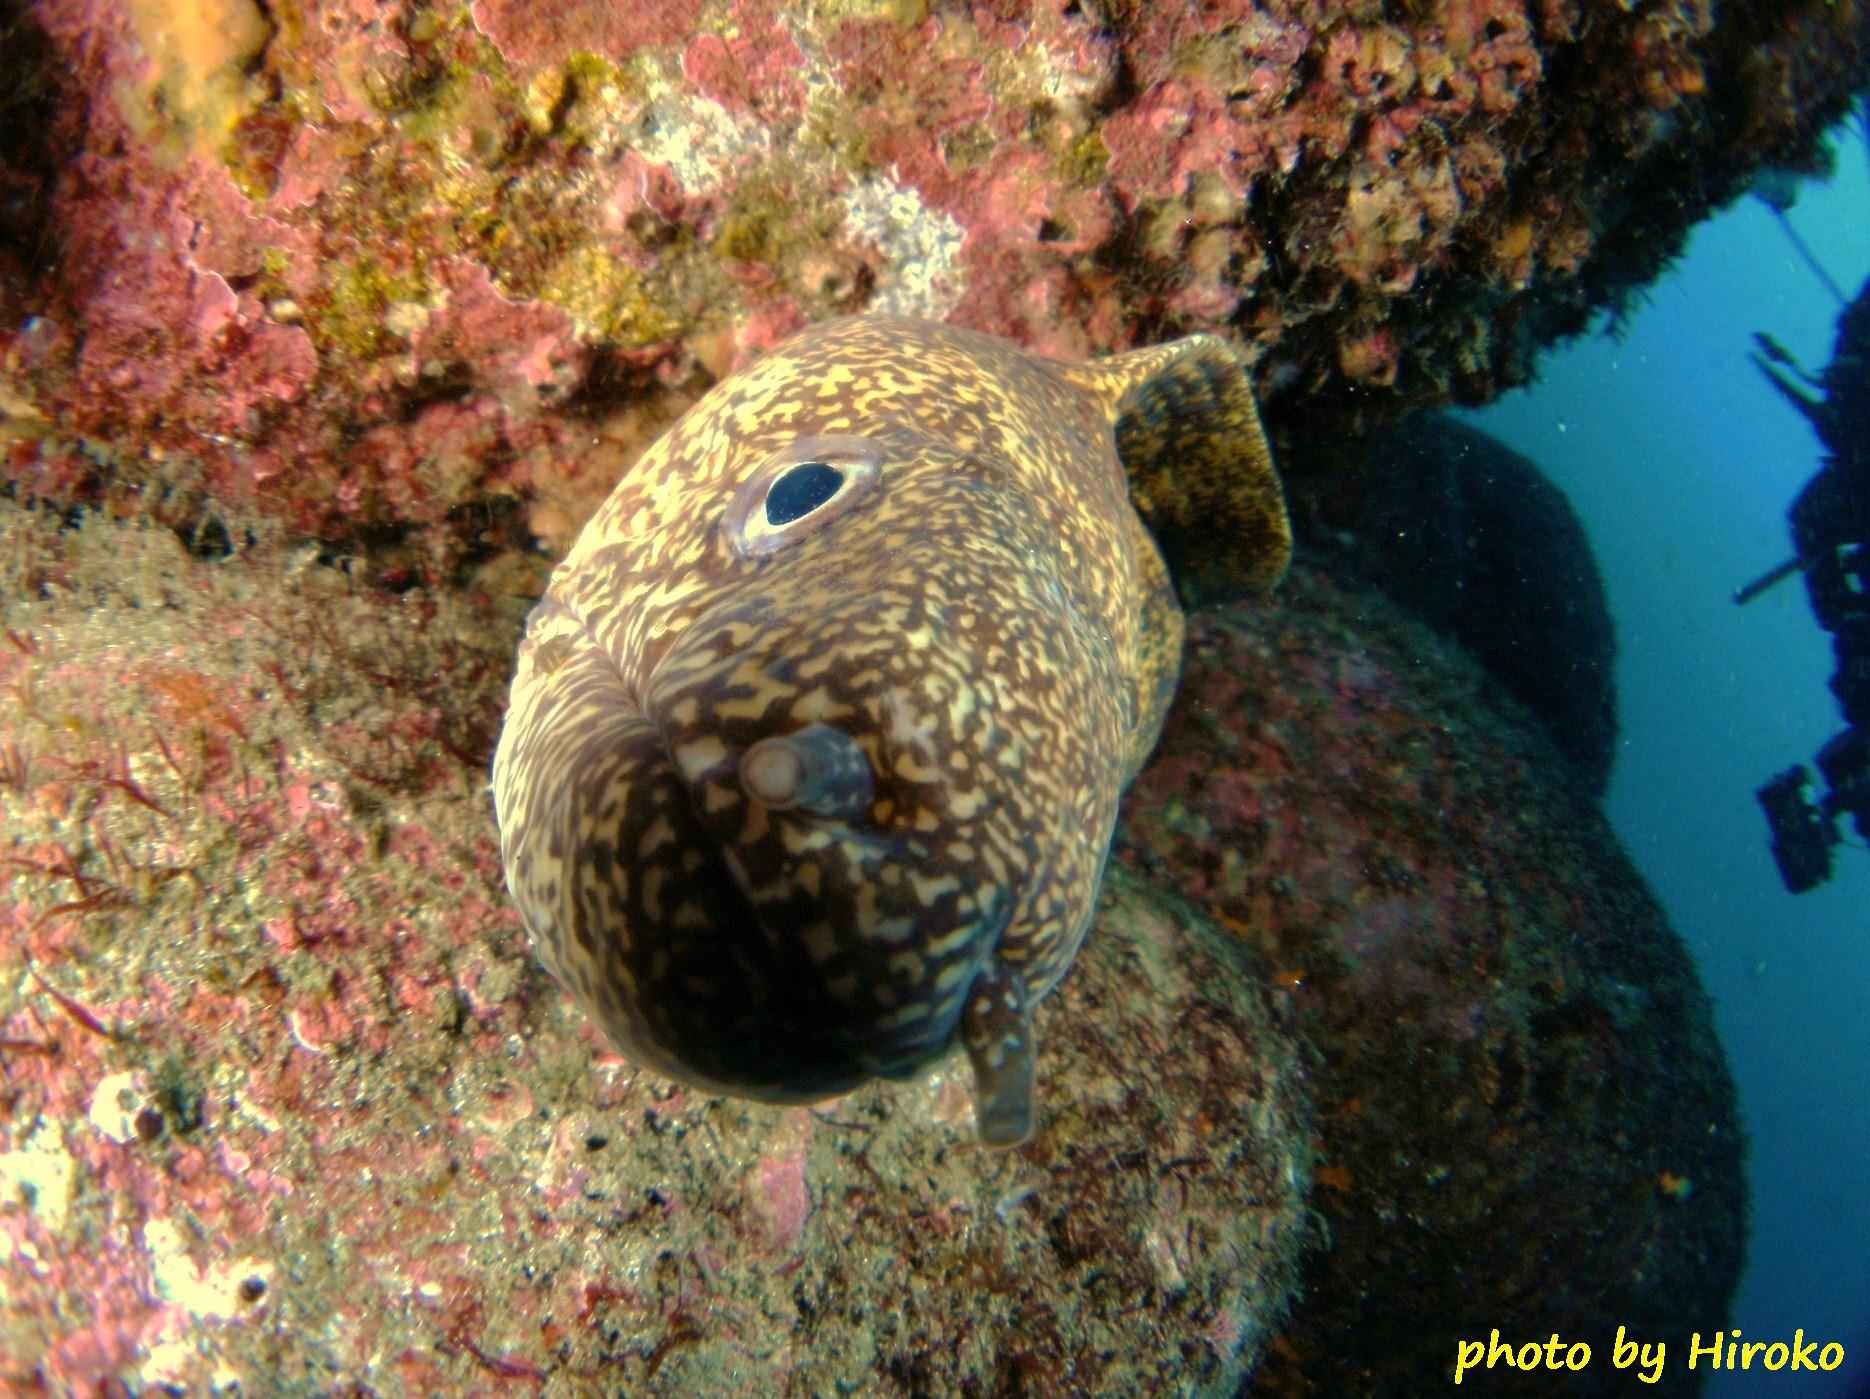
758	523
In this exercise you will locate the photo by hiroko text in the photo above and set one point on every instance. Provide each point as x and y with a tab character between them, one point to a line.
1728	1350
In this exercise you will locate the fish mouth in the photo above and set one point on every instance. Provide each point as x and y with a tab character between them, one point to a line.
843	868
715	999
905	1053
782	955
872	946
856	938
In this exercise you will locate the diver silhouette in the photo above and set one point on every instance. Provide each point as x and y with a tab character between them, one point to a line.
1830	526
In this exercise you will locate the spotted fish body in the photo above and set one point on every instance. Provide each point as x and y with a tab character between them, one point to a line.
817	737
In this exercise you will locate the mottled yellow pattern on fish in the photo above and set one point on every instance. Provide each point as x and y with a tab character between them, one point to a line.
962	653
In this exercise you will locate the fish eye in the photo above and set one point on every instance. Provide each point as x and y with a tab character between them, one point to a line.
799	490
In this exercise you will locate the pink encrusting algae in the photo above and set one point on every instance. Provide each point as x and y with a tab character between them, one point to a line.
262	249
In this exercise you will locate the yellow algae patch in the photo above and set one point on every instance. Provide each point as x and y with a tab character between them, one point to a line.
196	89
606	297
907	13
215	1291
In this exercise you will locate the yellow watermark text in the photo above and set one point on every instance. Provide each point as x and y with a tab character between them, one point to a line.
1648	1359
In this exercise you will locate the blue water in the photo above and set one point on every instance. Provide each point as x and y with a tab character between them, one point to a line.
1681	460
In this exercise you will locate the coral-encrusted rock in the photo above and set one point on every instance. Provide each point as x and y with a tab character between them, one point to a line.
284	1093
262	247
1524	1118
1474	538
285	1096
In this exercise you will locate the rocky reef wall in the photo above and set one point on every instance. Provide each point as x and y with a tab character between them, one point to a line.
368	265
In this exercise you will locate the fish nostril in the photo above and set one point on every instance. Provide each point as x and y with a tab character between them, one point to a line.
818	769
772	773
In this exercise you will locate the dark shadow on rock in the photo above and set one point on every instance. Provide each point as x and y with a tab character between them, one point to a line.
1463	530
33	140
1524	1119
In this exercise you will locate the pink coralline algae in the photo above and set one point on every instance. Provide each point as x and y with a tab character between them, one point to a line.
752	72
252	247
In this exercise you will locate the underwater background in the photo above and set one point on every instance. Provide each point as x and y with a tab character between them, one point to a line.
1681	459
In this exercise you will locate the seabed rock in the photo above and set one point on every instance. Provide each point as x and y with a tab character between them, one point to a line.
1524	1119
286	1102
1476	540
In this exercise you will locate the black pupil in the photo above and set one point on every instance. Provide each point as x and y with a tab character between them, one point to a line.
800	491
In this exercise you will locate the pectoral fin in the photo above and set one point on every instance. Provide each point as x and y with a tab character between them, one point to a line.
996	1031
1200	469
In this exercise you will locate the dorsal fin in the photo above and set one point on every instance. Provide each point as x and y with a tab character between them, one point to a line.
1200	469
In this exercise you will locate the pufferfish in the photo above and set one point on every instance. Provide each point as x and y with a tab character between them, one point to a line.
817	735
